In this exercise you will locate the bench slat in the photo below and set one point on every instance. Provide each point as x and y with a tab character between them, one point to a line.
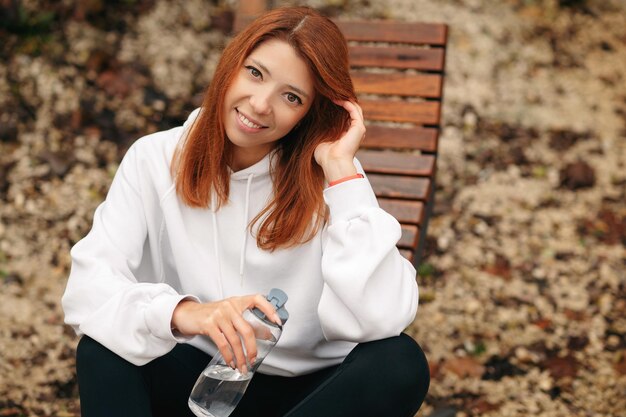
403	32
404	211
397	57
410	235
387	137
418	85
393	186
390	162
425	112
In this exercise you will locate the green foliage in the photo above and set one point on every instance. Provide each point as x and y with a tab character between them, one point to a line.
27	23
539	172
478	348
32	30
425	270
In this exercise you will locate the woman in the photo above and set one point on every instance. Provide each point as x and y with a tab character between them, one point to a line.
258	189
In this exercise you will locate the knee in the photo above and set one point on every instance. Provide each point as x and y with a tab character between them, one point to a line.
406	363
399	366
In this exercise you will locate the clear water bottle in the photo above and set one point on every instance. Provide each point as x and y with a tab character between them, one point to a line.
220	387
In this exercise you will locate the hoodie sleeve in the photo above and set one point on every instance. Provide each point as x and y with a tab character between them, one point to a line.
103	298
370	291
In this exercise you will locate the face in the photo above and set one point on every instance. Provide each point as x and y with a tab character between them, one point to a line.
271	93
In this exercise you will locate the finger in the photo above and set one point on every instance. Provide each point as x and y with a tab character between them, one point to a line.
350	107
356	114
235	344
248	336
222	345
266	308
360	110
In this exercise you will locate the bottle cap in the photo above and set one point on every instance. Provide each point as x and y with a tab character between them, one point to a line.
277	298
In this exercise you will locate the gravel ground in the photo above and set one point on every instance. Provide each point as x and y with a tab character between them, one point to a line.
523	293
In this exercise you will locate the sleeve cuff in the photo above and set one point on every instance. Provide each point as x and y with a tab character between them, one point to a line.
348	199
159	316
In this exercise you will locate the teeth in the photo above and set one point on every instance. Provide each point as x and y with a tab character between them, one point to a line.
247	122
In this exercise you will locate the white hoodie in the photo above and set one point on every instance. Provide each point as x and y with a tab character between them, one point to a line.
147	251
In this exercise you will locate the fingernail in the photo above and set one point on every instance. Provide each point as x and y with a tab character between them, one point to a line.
278	320
244	370
232	364
253	360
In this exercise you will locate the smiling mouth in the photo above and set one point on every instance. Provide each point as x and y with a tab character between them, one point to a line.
247	122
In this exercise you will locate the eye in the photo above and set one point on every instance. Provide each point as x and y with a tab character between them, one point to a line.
254	72
292	98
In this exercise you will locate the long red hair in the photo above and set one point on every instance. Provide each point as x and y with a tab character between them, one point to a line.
200	167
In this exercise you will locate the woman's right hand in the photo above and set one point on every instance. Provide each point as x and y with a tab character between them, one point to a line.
223	322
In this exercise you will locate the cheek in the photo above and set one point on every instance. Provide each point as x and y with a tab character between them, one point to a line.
289	119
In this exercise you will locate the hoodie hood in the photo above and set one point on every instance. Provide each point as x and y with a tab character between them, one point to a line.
259	170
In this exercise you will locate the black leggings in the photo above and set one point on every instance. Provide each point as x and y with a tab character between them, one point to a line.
387	377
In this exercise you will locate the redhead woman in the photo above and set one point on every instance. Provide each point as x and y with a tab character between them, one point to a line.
258	189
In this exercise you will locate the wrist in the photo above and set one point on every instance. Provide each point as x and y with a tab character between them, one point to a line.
179	312
337	170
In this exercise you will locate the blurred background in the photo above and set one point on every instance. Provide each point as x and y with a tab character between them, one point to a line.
523	286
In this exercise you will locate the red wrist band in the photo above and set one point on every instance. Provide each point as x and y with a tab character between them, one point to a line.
344	179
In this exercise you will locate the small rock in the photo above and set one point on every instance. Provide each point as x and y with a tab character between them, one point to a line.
472	306
613	341
523	354
577	175
545	383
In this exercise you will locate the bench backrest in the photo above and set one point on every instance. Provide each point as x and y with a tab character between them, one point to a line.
398	72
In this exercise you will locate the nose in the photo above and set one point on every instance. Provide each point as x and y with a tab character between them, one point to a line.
260	102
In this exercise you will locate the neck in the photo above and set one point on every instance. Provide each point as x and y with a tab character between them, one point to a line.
246	157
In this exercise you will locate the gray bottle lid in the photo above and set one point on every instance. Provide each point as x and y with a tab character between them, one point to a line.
277	298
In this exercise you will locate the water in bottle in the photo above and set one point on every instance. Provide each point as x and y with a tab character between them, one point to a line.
229	381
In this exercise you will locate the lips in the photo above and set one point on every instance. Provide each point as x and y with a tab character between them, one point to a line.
248	122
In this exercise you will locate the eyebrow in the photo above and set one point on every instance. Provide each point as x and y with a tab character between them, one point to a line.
293	87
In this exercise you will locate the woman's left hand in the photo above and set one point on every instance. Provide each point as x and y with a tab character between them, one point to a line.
336	158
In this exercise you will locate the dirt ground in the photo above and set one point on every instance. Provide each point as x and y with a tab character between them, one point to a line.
523	289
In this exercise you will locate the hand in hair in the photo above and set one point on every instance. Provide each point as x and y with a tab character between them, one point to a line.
336	158
223	322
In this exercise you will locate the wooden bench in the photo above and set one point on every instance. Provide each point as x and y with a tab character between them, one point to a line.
398	71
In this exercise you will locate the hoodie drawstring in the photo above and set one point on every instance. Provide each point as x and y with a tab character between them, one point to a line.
245	229
217	248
